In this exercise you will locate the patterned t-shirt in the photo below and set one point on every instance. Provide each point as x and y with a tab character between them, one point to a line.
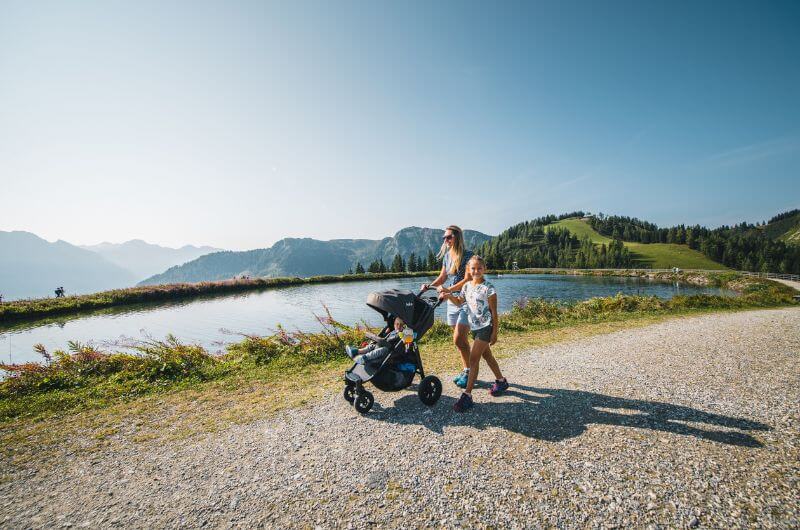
477	301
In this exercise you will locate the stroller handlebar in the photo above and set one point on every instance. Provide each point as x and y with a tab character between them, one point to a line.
426	288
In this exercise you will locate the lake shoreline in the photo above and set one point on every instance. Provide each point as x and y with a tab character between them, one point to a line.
37	308
85	377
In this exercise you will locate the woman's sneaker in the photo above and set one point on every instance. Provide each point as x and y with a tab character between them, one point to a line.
499	386
464	403
461	379
351	351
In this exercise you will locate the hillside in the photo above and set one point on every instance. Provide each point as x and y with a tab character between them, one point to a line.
309	257
784	227
33	267
145	259
652	255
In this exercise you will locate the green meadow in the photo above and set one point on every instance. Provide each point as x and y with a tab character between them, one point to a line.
652	255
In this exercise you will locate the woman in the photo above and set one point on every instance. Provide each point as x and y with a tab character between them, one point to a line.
454	258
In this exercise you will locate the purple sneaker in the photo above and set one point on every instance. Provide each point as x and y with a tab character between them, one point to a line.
499	386
464	403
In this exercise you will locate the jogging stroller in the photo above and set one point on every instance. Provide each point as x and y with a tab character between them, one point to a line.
398	369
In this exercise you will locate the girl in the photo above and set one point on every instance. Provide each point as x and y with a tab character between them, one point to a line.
480	300
454	263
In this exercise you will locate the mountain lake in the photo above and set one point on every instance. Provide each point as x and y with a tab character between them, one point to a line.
214	321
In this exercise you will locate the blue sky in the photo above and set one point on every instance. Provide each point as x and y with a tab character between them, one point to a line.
237	123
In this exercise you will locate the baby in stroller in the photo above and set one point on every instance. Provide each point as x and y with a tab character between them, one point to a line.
377	351
392	360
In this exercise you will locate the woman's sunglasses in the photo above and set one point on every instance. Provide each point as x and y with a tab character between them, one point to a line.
447	238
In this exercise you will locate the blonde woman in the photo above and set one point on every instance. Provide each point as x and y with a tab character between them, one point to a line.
454	258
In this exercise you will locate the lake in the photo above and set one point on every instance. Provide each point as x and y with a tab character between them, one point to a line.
216	320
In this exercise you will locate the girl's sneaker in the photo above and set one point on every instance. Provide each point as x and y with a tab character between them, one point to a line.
499	386
464	403
461	379
351	351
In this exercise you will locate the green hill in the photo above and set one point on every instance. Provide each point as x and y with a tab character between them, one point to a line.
653	255
785	227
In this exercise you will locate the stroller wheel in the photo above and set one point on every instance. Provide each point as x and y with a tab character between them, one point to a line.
430	390
350	393
364	401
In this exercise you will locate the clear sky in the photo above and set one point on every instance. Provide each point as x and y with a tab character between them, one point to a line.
235	124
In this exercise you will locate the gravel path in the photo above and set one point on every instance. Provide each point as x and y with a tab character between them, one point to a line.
692	422
791	283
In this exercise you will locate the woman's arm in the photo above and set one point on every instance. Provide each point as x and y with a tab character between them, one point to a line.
495	318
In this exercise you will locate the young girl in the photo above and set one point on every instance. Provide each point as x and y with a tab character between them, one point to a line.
480	299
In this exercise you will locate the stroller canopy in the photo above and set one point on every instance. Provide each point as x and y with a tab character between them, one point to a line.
415	311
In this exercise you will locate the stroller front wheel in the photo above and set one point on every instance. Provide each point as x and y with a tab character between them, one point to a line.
430	390
364	401
350	393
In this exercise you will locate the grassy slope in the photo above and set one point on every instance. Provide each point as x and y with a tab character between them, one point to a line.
792	236
787	230
655	255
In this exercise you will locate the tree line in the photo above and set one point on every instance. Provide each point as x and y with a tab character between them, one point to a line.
412	263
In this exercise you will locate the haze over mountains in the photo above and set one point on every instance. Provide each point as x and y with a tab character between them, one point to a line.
310	257
145	259
32	267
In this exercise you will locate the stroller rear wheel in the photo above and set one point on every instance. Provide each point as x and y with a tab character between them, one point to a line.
350	392
430	390
364	401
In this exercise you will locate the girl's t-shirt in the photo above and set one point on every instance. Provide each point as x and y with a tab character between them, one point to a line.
477	296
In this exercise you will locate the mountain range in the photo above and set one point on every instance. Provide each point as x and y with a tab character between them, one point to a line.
310	257
33	267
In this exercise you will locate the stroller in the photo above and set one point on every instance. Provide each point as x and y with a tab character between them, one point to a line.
398	369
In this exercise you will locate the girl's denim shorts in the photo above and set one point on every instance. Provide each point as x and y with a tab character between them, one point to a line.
484	334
